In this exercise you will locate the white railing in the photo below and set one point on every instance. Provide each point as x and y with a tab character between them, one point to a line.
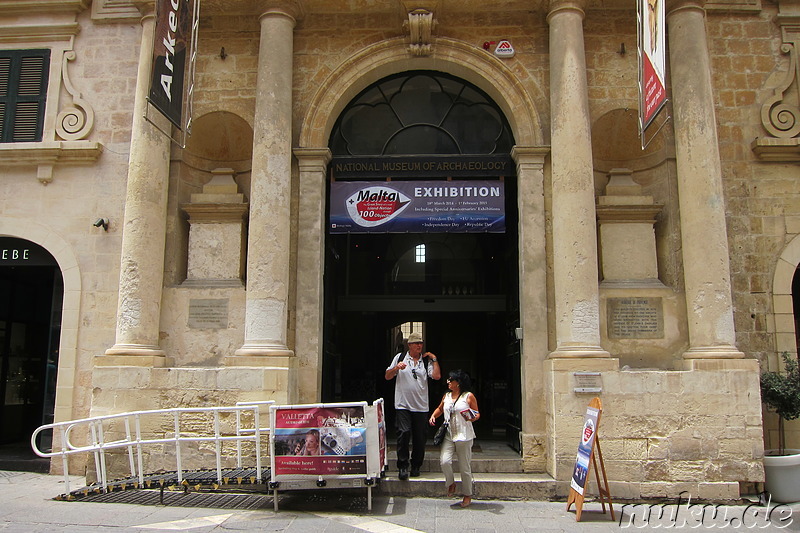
134	441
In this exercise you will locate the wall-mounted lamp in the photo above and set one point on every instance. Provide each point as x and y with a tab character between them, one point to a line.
101	222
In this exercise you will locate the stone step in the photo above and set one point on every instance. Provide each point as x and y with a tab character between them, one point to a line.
485	486
496	468
488	465
487	457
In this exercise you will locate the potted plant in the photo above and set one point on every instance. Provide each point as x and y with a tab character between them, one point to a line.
780	391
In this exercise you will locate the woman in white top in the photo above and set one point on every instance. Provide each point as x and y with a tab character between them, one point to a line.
460	409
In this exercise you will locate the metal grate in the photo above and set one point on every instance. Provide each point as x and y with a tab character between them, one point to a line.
192	480
181	499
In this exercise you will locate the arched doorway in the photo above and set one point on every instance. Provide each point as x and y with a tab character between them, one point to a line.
31	296
459	285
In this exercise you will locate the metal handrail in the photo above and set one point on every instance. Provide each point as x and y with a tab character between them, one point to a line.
133	441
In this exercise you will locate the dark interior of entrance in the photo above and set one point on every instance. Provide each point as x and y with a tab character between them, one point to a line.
30	325
463	295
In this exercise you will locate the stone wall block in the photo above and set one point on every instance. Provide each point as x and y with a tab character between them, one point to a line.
725	491
164	378
657	448
737	448
624	490
658	489
269	378
233	378
657	470
686	470
105	378
197	379
616	469
132	377
685	449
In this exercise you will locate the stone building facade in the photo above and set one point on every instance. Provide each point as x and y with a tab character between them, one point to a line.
206	274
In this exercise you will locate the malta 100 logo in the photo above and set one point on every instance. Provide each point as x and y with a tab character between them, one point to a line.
374	206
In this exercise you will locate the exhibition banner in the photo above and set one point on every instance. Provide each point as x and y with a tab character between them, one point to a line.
170	48
463	206
319	440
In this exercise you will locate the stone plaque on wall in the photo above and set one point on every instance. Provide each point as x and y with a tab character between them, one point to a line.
208	313
635	318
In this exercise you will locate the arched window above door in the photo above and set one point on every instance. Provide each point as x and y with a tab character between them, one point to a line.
421	112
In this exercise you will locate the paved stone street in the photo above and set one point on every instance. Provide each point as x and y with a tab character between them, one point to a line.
28	506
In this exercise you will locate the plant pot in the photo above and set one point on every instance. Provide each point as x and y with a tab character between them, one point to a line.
782	474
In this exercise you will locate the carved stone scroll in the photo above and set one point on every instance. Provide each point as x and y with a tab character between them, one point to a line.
74	122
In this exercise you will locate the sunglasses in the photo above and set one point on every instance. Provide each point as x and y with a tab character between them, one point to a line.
414	373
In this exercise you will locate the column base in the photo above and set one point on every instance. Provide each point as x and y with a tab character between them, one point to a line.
136	349
270	350
266	361
570	352
130	360
713	352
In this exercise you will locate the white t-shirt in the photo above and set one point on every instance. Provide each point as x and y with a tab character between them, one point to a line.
409	393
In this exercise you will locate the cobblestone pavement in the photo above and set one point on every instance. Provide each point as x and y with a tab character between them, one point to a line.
28	506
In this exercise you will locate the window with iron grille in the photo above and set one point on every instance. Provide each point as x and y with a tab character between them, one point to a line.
23	92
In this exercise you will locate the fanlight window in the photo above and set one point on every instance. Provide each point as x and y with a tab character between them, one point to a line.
421	113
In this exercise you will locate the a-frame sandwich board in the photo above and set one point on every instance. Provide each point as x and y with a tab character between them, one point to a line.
589	455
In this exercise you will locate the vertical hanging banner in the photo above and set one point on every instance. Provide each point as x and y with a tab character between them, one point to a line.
652	54
170	47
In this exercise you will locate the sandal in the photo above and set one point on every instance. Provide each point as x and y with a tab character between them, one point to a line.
466	501
451	490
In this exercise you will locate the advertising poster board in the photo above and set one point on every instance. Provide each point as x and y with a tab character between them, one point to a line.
319	440
585	448
379	412
376	439
463	206
589	456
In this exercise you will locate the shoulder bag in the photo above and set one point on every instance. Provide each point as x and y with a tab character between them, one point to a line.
438	439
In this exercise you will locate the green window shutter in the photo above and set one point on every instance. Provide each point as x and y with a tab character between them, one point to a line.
23	94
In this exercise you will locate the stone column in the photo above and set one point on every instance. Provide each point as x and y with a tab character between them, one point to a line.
702	204
144	226
533	300
577	300
312	225
268	244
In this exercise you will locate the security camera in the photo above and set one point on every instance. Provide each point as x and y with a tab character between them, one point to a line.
101	222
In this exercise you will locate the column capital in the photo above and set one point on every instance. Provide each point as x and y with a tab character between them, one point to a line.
530	155
145	7
288	8
678	5
312	157
557	6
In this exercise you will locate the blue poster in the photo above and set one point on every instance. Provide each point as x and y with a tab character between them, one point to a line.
464	206
585	448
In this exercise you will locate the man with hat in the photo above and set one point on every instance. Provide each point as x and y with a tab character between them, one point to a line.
411	402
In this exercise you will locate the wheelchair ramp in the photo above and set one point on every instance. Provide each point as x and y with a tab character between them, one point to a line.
193	480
